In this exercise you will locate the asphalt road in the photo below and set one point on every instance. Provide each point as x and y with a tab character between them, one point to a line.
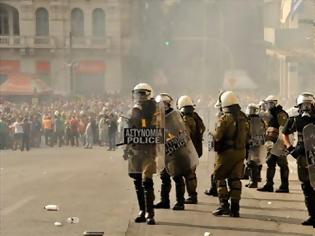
94	186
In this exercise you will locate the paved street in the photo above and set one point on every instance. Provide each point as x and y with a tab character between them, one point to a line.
93	185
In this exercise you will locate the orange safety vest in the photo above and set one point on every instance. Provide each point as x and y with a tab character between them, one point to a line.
47	124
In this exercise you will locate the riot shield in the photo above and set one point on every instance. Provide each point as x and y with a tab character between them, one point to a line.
257	131
278	149
160	147
180	153
257	151
309	144
144	138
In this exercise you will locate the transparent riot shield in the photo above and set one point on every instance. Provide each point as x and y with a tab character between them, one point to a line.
257	151
180	153
278	149
144	138
160	147
309	144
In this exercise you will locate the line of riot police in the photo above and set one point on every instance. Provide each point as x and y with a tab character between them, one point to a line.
265	131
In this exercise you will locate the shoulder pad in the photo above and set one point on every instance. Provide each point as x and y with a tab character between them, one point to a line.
226	117
282	117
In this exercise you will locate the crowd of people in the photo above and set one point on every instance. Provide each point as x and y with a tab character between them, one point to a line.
74	122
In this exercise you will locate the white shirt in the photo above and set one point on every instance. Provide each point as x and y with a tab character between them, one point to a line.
18	127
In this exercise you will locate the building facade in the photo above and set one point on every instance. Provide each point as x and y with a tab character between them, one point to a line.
76	46
290	32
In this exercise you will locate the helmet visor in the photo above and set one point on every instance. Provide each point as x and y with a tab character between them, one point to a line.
140	95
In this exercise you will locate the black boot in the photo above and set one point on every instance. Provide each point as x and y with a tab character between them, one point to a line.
253	175
252	185
212	192
149	199
246	173
191	186
192	199
165	192
259	173
180	192
309	222
309	203
223	209
213	189
140	196
266	188
284	187
162	205
235	208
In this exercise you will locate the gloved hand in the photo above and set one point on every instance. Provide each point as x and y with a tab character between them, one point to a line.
297	151
290	149
269	145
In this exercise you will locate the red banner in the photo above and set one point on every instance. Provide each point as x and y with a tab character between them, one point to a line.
94	67
9	66
43	67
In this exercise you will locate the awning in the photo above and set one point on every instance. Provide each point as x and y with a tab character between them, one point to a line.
23	84
9	66
299	55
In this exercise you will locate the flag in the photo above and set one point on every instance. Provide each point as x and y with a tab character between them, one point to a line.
286	6
295	6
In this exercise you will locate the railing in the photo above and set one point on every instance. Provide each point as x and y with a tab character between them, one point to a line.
89	42
27	42
11	41
50	42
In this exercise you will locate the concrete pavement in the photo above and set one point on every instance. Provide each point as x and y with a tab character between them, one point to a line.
93	185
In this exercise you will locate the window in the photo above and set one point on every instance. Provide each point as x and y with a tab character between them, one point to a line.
4	21
77	22
42	22
98	23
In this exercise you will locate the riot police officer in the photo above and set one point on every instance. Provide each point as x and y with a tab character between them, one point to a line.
256	144
180	156
305	104
213	185
275	146
141	157
231	136
164	176
196	129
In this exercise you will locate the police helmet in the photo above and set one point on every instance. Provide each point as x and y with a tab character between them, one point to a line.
142	92
184	101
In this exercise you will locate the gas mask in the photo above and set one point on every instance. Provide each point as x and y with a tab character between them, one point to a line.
270	105
140	95
306	109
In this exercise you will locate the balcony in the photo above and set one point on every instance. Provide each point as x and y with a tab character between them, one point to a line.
288	38
89	42
12	41
27	42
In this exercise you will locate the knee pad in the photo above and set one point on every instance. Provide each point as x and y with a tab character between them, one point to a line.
235	184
